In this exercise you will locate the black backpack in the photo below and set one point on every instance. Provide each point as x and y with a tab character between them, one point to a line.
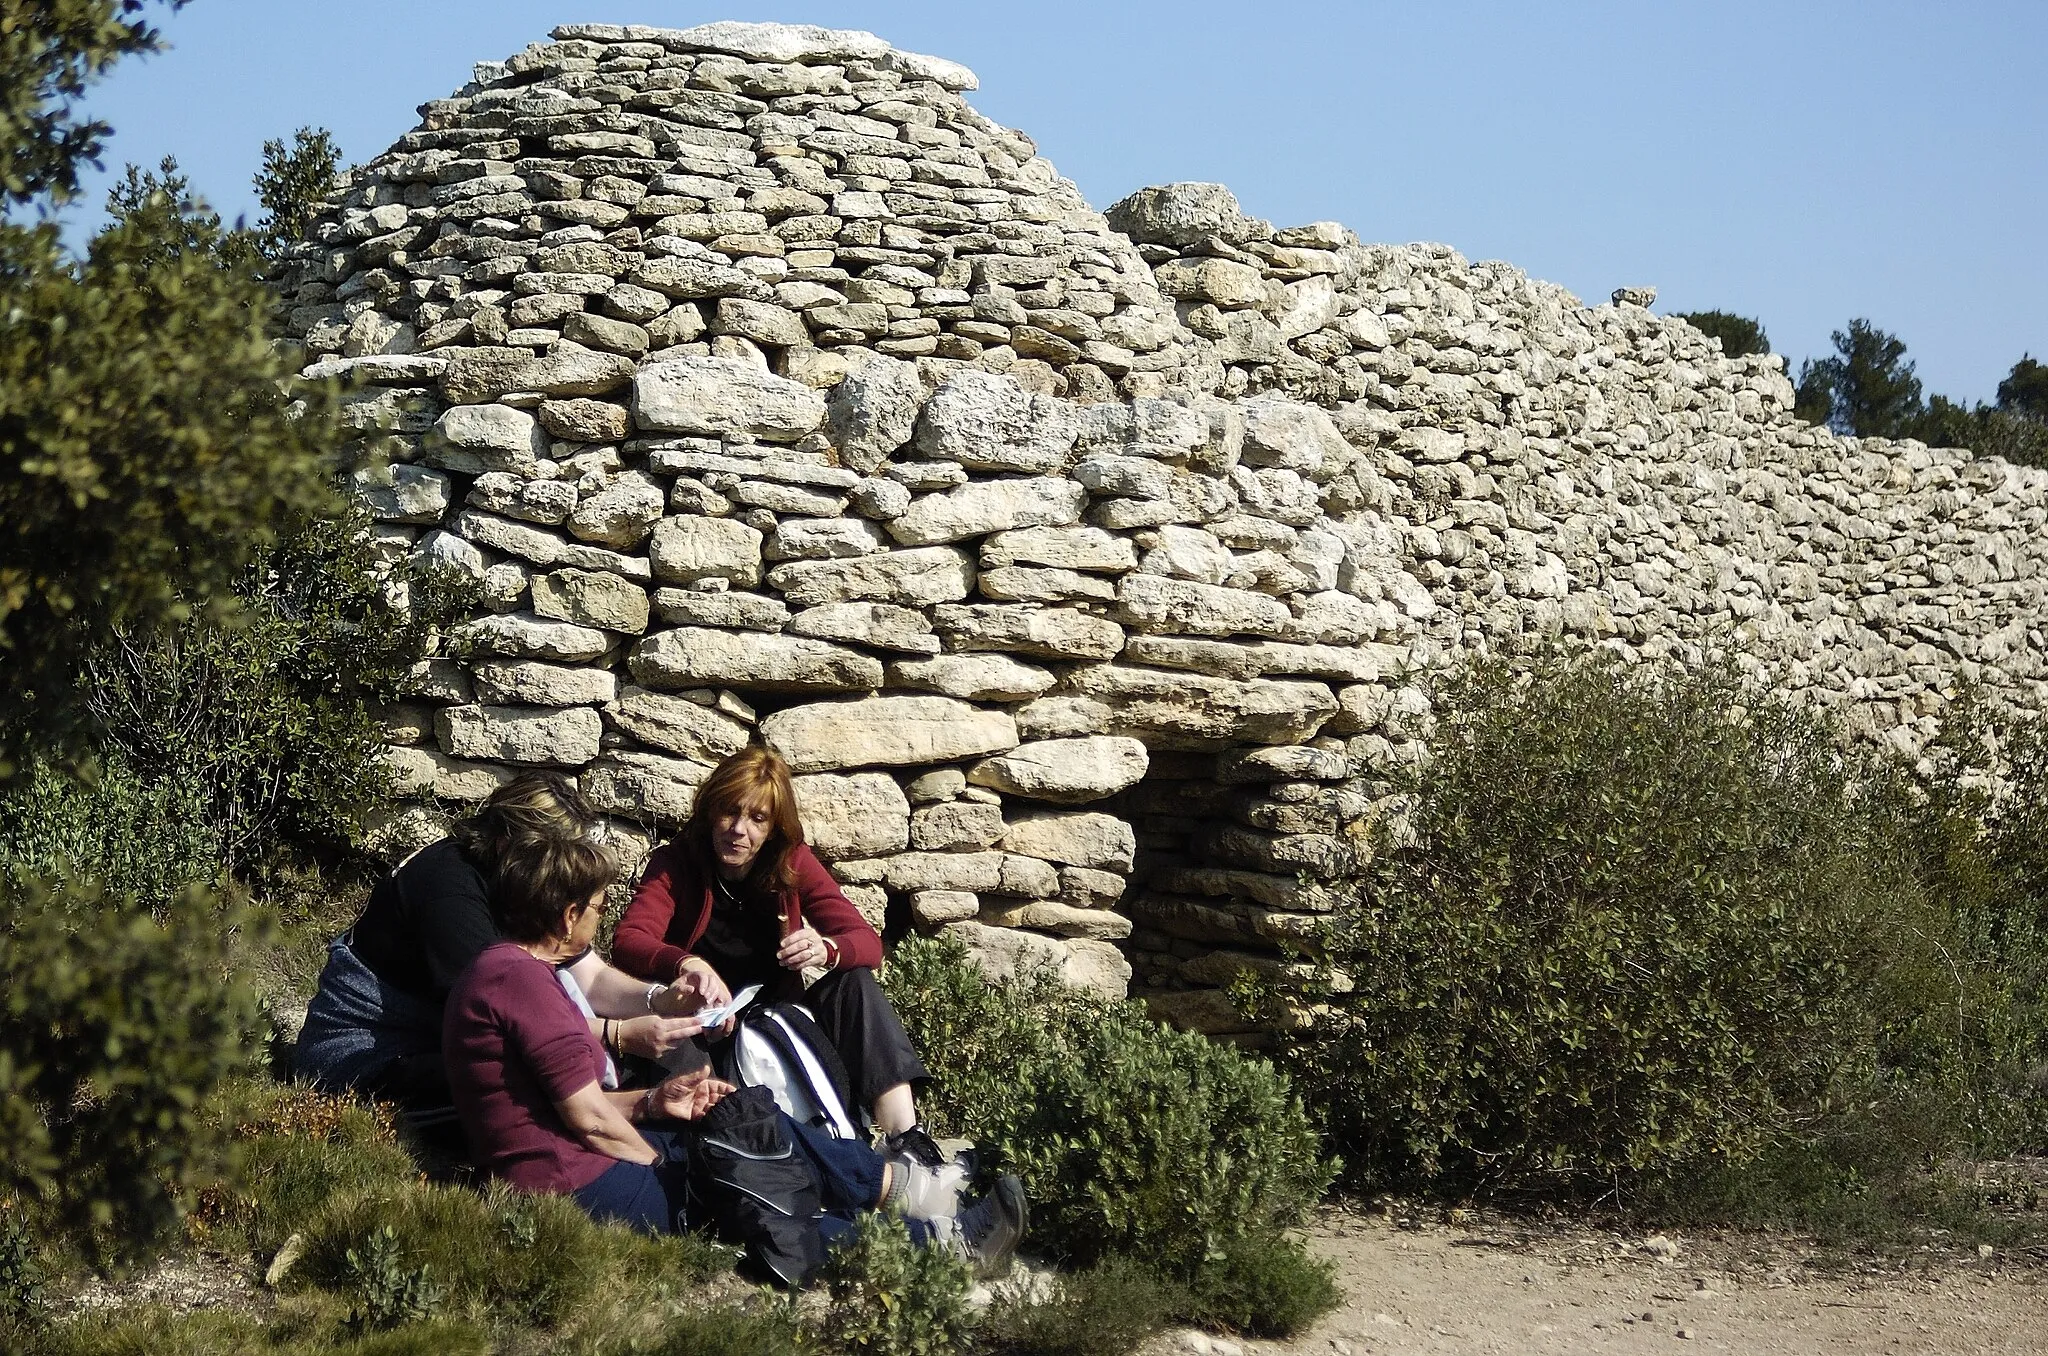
750	1179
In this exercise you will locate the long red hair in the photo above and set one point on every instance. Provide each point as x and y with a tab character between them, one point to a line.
753	776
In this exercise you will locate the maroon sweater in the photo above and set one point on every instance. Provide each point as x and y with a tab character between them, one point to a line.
673	903
516	1046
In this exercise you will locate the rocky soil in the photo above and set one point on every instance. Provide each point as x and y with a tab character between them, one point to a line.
1490	1286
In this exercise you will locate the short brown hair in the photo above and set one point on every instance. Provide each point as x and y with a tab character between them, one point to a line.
539	876
753	775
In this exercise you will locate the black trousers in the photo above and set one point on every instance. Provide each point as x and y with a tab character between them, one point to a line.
856	1017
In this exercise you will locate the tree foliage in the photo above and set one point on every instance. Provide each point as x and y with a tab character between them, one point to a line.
293	181
148	443
1866	388
50	51
1740	336
2024	392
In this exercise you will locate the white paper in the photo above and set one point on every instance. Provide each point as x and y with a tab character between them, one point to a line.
715	1016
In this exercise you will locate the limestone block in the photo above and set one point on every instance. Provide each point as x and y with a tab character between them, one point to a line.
431	772
823	539
1192	711
1150	602
981	872
1027	584
1229	284
874	412
1188	553
1068	548
677	724
529	683
943	783
687	548
871	902
973	677
1061	919
935	908
990	422
477	375
514	496
1006	954
605	333
696	657
496	437
447	555
1087	888
1180	215
581	420
620	514
1288	434
520	734
411	770
1050	633
1065	771
882	626
914	578
981	507
955	825
399	493
1335	618
881	499
437	680
688	278
591	598
862	814
739	611
1075	838
885	732
761	321
1209	1012
1259	658
1299	763
721	396
642	786
523	635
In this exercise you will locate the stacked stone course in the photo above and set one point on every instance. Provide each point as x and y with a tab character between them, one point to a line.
1086	569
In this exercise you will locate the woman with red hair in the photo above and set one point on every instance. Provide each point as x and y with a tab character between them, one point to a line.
737	898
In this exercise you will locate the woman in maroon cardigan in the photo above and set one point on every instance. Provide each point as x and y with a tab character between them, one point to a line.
736	898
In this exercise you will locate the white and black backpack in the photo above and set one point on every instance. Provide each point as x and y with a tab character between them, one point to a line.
781	1047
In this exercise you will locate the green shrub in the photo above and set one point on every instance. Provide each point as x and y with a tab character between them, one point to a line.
1265	1285
1130	1136
886	1296
388	1287
1651	919
1107	1310
143	838
115	1026
149	1331
262	718
23	1299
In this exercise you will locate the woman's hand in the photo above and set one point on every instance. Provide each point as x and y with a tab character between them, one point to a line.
801	949
702	988
652	1036
687	1096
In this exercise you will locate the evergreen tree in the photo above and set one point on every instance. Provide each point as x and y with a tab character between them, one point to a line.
2024	391
1867	388
1740	336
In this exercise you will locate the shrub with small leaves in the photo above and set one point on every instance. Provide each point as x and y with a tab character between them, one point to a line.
889	1297
22	1275
1650	917
389	1289
1130	1136
115	1026
1107	1310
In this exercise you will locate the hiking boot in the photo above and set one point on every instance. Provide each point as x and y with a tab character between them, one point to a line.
990	1229
926	1193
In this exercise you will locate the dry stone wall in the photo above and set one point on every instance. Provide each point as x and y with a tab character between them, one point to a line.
1086	569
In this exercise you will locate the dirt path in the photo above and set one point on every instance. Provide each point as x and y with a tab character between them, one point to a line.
1490	1288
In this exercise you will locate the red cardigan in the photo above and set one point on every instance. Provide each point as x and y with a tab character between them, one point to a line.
673	903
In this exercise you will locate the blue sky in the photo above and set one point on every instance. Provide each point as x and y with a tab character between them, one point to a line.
1801	162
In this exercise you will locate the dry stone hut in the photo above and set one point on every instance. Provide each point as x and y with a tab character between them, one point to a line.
1082	565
